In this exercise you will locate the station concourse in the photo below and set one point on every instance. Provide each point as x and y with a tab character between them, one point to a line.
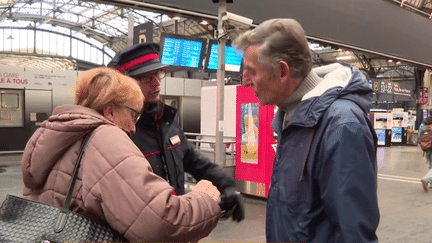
404	206
45	45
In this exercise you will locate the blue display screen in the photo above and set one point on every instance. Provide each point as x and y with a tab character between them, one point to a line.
398	116
182	52
233	58
381	133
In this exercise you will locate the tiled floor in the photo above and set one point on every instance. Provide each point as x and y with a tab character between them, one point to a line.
406	210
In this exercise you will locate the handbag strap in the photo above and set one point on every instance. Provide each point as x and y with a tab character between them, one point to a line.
68	199
61	219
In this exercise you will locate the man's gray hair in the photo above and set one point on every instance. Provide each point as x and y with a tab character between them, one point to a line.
279	40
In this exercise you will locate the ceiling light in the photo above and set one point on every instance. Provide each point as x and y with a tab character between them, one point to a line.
176	18
389	60
344	58
398	63
204	22
315	46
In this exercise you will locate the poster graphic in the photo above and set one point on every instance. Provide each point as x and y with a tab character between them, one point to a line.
249	133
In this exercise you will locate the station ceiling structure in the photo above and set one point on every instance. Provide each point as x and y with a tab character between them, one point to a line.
103	22
107	23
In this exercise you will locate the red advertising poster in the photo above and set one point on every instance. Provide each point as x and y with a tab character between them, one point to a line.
254	140
423	97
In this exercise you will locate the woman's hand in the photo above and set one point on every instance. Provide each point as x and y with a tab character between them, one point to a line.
205	186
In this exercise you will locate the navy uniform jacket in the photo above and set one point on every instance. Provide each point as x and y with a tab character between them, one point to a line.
170	154
324	183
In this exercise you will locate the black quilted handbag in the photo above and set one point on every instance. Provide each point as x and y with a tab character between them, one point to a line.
23	220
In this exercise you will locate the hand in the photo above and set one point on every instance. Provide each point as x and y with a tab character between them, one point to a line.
232	205
206	187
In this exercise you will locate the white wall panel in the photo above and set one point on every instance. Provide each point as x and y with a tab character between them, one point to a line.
192	87
162	86
174	86
208	110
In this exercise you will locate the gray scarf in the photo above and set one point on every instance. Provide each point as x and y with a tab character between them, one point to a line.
290	105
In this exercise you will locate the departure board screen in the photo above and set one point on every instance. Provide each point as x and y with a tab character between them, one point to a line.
182	51
233	58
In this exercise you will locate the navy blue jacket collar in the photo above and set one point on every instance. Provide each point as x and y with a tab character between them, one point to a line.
339	81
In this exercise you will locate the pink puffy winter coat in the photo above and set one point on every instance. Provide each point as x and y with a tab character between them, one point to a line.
115	182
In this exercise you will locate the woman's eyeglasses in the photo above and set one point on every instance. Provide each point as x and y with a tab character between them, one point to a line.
136	114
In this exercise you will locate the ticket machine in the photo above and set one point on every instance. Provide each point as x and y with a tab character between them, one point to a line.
399	127
381	122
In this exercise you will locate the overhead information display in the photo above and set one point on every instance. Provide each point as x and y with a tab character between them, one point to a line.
233	58
182	52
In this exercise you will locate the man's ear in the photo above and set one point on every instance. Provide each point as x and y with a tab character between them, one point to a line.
108	112
284	71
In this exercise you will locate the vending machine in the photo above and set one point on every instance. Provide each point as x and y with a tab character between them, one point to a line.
399	127
255	144
382	124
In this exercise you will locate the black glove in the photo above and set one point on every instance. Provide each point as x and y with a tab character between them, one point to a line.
231	205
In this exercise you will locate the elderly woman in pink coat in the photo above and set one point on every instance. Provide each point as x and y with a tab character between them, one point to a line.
115	182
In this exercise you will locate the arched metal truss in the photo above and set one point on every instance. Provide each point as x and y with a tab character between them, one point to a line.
32	41
106	22
91	21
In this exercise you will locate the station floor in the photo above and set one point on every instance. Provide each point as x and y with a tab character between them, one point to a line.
406	210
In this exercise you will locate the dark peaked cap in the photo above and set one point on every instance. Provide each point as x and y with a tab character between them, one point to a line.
137	59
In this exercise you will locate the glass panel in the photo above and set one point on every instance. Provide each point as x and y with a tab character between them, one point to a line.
23	40
15	39
110	52
93	55
30	40
2	38
8	40
87	54
39	42
53	44
66	46
80	50
99	57
9	101
74	48
70	17
107	59
46	43
60	45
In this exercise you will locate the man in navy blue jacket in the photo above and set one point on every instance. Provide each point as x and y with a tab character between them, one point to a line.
324	183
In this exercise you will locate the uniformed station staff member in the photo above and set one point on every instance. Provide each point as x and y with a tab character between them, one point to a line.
161	140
